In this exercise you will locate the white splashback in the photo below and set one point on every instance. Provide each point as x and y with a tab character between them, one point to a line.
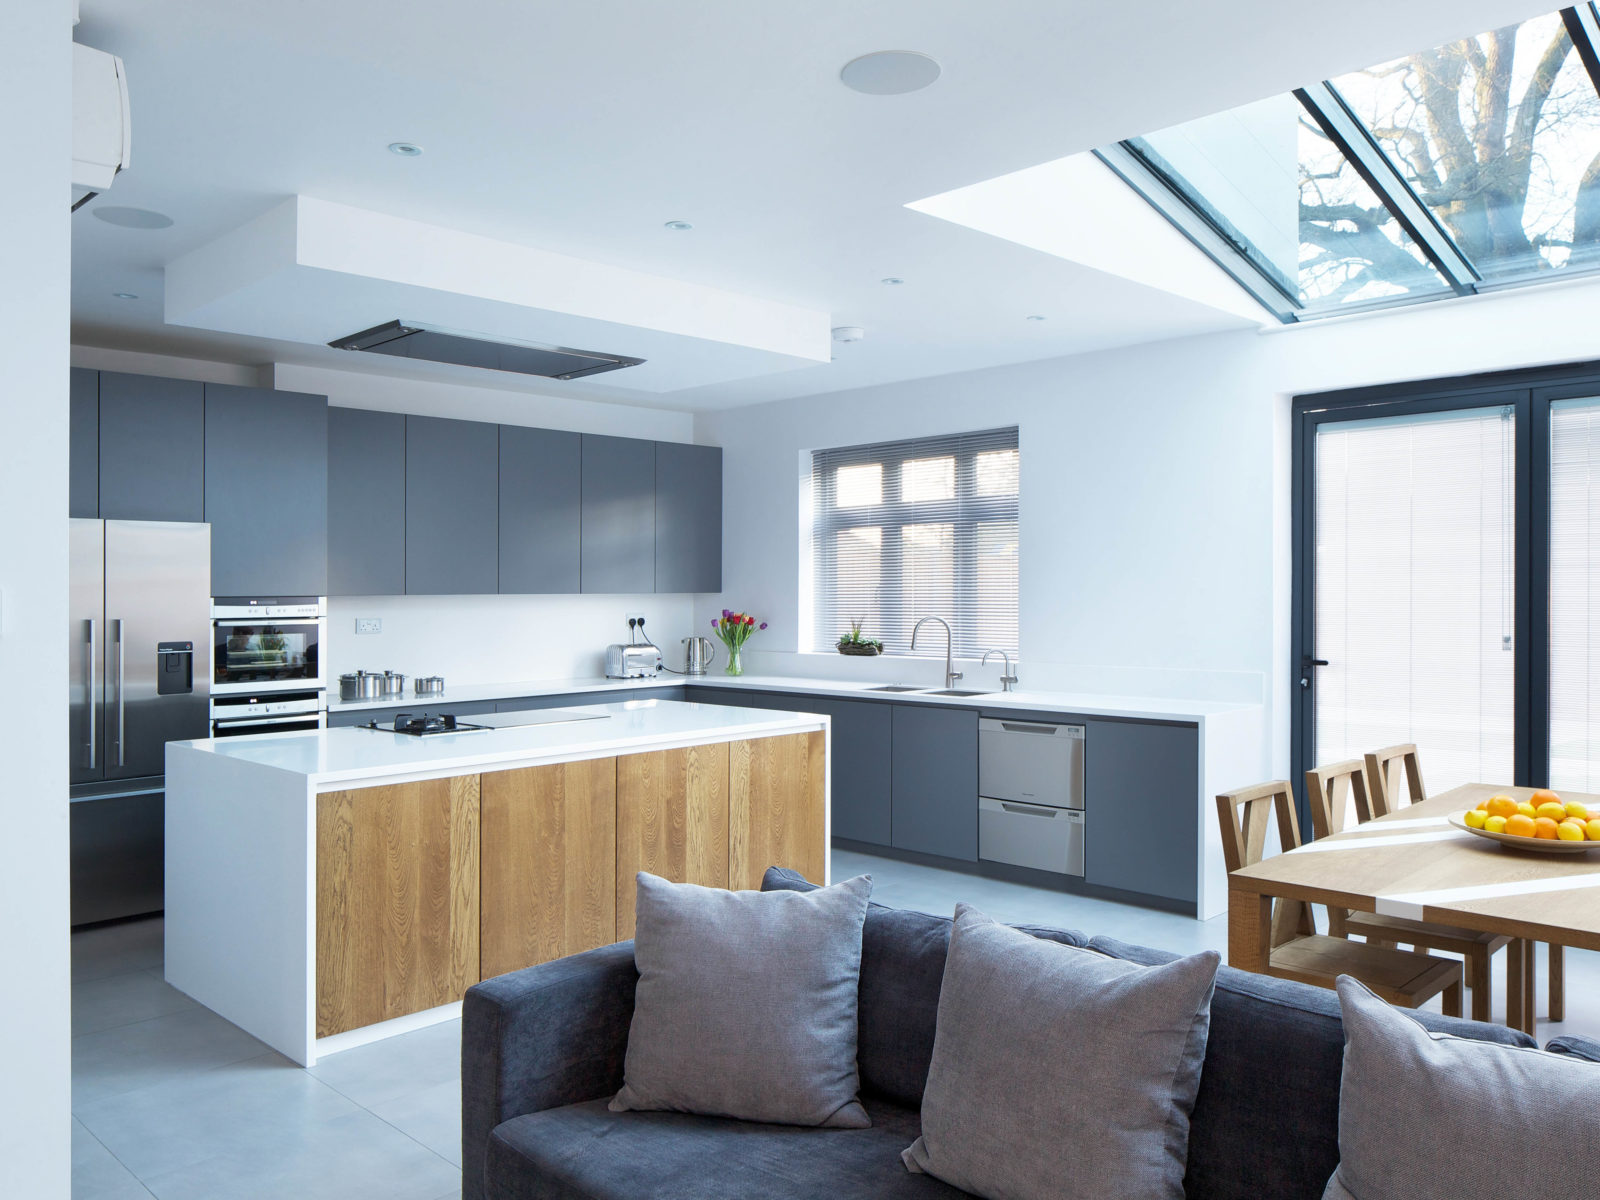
496	639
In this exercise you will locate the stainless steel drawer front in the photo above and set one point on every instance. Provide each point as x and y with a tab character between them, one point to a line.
1031	835
1031	761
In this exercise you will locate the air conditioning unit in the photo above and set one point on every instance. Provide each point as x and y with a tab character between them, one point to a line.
101	131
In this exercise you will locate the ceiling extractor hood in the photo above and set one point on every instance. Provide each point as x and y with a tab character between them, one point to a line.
407	339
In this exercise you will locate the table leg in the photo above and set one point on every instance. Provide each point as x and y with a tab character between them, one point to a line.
1558	983
1530	980
1249	930
1515	953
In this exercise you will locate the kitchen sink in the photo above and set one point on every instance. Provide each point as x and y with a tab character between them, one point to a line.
897	687
959	692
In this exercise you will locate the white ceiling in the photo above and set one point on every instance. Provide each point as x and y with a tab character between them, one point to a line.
579	128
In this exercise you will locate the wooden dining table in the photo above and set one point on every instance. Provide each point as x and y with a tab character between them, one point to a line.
1413	863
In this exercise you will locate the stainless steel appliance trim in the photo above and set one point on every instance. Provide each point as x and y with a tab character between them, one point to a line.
89	668
284	719
1015	834
122	712
1031	762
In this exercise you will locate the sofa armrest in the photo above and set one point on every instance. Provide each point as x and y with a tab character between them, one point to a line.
1577	1047
544	1037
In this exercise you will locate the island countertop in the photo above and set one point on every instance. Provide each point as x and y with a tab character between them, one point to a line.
339	756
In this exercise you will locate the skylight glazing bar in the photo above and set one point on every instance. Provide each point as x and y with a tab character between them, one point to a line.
1347	132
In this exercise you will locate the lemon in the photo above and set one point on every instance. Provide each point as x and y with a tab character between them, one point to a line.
1593	829
1553	809
1576	809
1569	831
1475	818
1527	809
1495	824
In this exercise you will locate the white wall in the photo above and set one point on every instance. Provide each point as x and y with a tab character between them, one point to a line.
1155	551
35	1080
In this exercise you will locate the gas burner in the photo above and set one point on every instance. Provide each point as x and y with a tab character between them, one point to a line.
424	724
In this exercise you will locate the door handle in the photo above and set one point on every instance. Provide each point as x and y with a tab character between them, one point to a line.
1306	663
122	712
93	702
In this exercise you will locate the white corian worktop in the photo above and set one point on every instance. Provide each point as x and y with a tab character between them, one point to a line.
332	756
1148	708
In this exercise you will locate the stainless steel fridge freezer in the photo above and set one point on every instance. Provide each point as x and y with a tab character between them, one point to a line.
140	654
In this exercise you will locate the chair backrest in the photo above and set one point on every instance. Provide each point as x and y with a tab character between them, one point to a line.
1244	813
1384	778
1329	791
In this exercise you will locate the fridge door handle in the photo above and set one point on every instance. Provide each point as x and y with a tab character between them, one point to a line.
93	704
122	715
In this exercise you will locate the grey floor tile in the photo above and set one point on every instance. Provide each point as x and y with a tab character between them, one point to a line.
148	1053
116	949
260	1104
96	1173
431	1116
395	1067
358	1155
113	1000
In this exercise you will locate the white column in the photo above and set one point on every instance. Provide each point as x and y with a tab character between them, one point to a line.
35	1004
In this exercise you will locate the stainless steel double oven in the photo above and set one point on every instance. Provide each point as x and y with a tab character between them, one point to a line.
267	673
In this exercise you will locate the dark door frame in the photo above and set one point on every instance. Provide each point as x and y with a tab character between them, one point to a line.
1529	393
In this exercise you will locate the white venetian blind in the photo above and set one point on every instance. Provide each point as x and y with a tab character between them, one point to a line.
1415	591
910	529
1575	594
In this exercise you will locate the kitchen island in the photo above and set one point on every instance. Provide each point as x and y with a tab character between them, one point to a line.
329	888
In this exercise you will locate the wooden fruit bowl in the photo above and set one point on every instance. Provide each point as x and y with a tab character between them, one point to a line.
1538	845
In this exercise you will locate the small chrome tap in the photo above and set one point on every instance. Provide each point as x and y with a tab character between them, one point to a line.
1007	679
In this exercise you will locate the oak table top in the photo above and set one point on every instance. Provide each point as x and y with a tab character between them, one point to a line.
1413	863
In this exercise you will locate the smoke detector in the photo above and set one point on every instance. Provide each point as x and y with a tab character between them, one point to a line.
848	333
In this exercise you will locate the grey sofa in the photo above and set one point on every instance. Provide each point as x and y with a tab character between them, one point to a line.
542	1052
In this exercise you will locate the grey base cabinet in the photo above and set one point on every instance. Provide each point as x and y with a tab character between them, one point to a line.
934	790
1141	820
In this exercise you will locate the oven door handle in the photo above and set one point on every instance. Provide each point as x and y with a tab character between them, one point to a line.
247	722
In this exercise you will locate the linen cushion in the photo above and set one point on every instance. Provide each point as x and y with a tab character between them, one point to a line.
746	1004
1059	1073
1426	1116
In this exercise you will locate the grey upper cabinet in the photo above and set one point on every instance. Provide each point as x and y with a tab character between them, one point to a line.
1141	783
152	448
541	499
619	515
688	518
83	474
366	493
266	490
934	781
452	507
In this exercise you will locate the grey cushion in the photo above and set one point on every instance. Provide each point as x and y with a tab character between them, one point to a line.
1429	1117
1059	1073
585	1152
746	1004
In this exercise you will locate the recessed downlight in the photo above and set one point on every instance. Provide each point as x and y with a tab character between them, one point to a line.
124	295
891	280
405	149
132	218
1035	317
678	226
889	72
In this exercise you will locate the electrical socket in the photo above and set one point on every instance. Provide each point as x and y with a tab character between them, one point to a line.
369	624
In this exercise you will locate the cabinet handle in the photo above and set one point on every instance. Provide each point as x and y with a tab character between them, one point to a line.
1024	810
93	704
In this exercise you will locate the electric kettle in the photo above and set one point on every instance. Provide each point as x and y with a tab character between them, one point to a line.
698	656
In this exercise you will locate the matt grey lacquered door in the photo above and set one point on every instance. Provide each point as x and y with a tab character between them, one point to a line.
1141	788
688	518
452	507
934	799
366	503
619	514
152	448
266	491
541	502
84	472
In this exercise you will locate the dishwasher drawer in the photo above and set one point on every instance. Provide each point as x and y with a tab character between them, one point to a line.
1031	835
1032	761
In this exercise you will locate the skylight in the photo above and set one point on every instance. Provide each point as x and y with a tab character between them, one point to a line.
1466	167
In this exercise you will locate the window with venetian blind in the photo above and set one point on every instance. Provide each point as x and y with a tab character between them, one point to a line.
917	528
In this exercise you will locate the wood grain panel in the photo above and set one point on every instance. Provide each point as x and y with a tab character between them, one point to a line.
397	900
549	863
777	807
672	820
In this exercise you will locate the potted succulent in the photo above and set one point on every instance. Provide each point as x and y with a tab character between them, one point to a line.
854	643
734	630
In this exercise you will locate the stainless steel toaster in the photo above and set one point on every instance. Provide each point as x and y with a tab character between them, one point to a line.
632	662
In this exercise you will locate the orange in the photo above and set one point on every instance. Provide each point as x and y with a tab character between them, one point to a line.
1501	806
1544	796
1544	827
1522	826
1483	806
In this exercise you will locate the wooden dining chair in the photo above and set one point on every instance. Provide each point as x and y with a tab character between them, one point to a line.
1387	769
1297	951
1329	791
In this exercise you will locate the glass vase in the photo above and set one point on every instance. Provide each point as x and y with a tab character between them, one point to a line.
735	663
